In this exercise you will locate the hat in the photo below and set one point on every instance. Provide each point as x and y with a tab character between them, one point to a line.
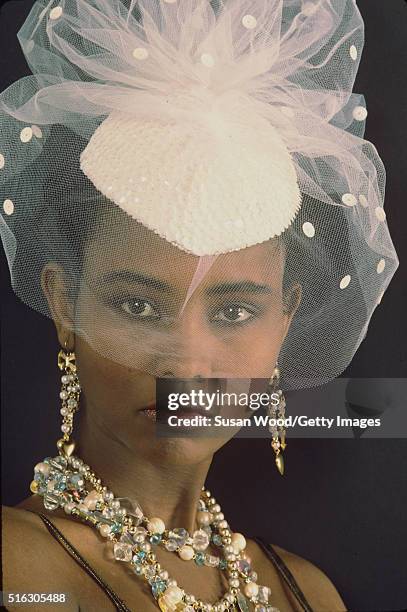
178	153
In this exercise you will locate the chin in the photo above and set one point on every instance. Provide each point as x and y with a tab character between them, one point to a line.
183	451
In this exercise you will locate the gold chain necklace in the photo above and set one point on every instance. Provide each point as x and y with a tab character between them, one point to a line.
65	481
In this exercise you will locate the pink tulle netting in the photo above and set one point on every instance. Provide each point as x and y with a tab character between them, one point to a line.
289	63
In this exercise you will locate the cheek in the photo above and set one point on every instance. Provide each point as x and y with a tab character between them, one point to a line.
256	348
121	359
112	388
124	345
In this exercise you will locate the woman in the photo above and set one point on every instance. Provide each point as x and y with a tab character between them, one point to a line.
117	429
187	202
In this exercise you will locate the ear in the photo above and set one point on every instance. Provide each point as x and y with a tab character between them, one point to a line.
291	302
54	284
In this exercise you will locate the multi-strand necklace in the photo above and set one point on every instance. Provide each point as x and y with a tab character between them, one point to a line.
66	481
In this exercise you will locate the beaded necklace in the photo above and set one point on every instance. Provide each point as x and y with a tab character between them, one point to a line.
66	481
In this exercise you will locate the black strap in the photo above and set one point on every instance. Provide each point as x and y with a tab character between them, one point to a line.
119	603
285	572
54	531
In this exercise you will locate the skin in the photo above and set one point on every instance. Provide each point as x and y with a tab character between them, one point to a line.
117	372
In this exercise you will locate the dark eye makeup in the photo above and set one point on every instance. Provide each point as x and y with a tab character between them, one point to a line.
228	314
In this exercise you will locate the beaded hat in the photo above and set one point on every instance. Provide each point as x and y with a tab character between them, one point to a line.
195	168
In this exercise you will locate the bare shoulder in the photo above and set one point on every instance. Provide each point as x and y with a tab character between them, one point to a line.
29	560
314	583
14	518
21	530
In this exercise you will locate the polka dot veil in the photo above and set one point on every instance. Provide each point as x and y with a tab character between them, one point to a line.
194	175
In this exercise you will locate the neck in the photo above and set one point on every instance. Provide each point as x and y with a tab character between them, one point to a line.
167	490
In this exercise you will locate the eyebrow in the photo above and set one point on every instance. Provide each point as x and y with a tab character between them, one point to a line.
246	286
136	277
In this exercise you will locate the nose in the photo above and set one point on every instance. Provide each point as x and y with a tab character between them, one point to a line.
173	375
192	350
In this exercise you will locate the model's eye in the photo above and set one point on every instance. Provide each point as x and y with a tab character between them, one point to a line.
233	313
139	308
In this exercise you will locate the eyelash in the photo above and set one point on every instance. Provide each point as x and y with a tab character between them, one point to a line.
225	322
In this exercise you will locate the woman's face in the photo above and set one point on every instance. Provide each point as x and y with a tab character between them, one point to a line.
131	329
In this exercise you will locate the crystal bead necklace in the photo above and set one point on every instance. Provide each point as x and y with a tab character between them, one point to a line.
66	481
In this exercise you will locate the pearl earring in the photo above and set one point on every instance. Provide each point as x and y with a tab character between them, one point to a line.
70	392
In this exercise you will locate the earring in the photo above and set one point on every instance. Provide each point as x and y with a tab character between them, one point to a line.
70	392
277	411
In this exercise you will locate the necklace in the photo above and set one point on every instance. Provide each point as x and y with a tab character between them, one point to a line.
66	481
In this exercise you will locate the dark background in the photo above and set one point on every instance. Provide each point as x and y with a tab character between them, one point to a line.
341	503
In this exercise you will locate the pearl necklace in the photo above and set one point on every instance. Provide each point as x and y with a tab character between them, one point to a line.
61	481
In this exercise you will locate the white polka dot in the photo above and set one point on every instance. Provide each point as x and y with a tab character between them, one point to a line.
308	229
345	282
55	13
349	199
2	161
26	134
249	22
140	53
36	131
8	207
359	113
170	1
353	52
308	8
207	60
380	266
363	200
239	223
380	214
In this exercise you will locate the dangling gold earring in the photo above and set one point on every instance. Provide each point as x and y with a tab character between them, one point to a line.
276	410
70	393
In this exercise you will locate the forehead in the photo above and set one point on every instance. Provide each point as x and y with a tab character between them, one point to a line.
124	244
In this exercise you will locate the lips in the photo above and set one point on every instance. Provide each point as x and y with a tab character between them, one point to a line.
151	411
192	411
149	407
